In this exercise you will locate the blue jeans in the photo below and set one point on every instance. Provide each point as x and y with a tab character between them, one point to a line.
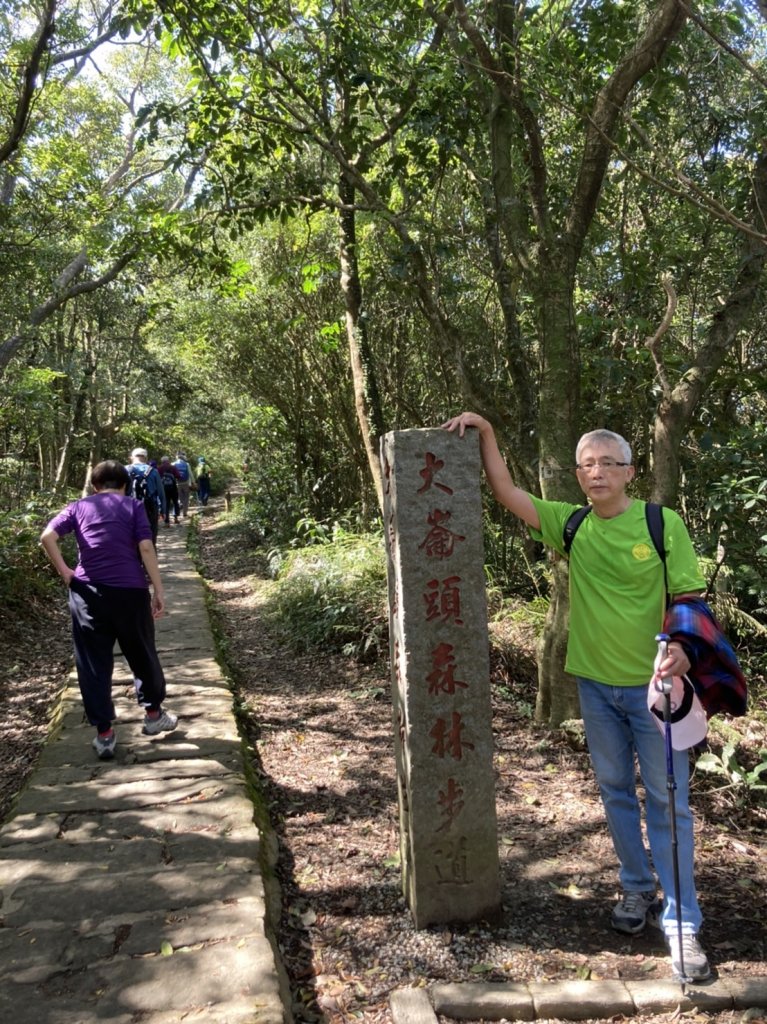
618	726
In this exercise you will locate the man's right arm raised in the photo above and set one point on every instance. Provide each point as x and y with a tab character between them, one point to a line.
497	472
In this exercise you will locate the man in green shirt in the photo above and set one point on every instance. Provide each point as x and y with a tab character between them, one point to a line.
617	599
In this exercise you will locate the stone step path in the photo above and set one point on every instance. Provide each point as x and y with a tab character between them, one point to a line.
134	889
575	1000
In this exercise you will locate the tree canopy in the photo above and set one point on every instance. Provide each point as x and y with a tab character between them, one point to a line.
278	232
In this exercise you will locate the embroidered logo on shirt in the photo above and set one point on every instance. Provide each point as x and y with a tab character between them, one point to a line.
641	552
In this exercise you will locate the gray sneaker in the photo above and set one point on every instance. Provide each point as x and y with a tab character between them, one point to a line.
695	966
105	746
630	914
165	723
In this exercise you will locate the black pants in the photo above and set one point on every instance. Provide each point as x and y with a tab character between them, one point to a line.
102	615
171	498
153	515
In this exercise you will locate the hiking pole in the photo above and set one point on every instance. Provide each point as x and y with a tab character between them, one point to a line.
664	686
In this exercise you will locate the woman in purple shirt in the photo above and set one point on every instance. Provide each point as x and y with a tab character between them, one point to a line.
109	600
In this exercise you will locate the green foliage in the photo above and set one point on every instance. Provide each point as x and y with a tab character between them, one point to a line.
746	783
726	494
17	483
333	595
531	613
216	153
510	556
25	574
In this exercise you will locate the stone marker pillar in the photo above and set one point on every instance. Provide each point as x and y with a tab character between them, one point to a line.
440	675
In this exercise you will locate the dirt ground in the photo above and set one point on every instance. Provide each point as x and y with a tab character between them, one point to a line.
320	731
37	659
322	734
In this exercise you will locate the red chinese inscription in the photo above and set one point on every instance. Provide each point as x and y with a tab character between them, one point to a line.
451	862
429	471
442	679
451	803
447	739
443	600
439	541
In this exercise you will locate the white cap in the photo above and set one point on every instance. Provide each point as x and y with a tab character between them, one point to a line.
139	451
688	719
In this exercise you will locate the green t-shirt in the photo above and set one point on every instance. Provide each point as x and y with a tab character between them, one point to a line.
617	588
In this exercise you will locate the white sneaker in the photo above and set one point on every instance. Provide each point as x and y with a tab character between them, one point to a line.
693	964
165	723
630	913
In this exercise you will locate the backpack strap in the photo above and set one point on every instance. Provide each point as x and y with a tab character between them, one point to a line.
654	516
571	526
146	474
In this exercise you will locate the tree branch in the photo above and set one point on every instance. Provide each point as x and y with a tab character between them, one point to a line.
691	190
87	49
665	23
511	92
653	343
11	345
694	16
28	81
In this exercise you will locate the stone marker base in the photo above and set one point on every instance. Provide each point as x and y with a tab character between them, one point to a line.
571	1000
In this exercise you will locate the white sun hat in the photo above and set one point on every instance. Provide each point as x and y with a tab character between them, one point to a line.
689	724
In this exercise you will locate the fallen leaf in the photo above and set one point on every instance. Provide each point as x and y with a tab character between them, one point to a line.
481	968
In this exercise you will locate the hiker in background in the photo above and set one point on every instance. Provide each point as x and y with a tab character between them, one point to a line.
170	477
203	480
617	603
145	484
185	481
109	600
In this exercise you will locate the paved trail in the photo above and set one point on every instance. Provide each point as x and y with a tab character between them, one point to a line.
133	890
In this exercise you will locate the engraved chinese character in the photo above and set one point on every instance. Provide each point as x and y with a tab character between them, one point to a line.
439	541
392	535
444	603
451	802
451	862
448	740
442	679
429	471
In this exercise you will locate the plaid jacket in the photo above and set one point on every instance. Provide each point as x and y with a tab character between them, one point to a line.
715	673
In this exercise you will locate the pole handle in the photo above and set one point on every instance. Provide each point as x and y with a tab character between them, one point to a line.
662	684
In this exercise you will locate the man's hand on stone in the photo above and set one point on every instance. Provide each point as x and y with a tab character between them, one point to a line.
464	420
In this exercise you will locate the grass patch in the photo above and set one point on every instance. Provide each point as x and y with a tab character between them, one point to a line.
334	595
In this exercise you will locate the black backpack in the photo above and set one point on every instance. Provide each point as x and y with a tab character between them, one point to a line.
139	483
653	515
168	478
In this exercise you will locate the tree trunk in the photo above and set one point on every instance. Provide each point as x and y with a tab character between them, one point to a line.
549	259
557	698
558	431
75	422
366	395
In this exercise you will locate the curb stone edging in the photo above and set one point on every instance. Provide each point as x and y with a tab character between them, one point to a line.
569	1000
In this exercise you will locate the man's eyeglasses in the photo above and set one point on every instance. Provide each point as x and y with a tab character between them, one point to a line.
602	463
